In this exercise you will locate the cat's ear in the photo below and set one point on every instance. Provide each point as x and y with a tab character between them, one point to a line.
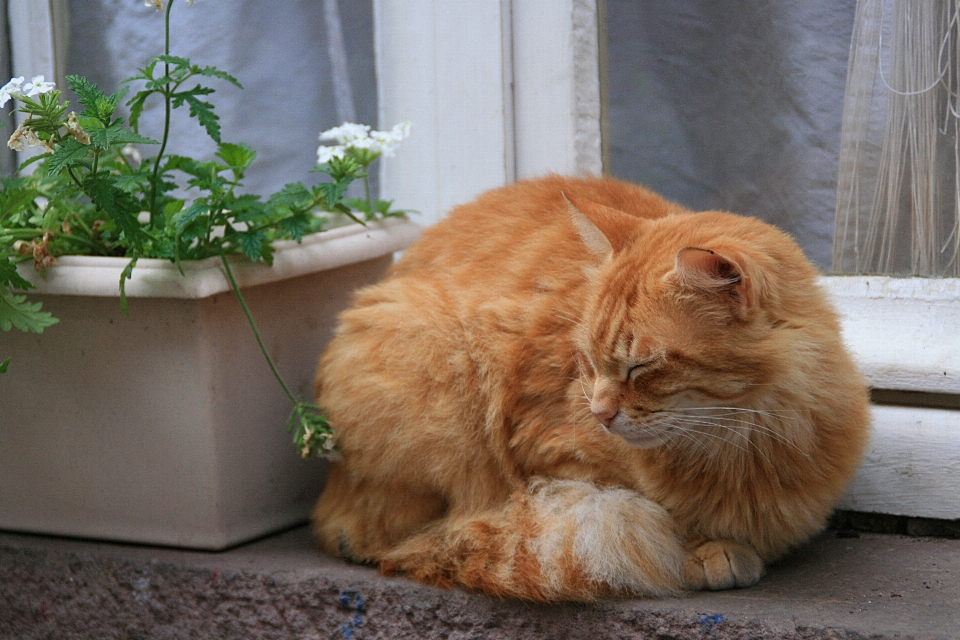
720	277
604	230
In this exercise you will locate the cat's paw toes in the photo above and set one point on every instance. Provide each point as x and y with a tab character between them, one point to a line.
720	565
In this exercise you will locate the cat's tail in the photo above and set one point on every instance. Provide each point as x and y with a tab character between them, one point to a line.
557	540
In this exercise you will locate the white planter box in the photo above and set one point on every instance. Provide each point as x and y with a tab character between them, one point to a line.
166	426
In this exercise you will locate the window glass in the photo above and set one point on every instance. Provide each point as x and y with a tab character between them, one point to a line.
733	106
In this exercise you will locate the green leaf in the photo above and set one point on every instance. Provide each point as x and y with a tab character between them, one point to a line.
311	431
127	274
292	194
98	105
247	208
213	72
87	92
67	153
9	276
4	365
360	205
15	311
122	208
202	111
136	108
116	134
17	196
253	244
176	61
295	225
333	191
173	207
182	220
237	156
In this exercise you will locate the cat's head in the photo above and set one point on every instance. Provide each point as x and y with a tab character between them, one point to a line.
691	319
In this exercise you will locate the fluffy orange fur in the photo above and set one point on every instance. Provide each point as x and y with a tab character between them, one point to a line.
573	388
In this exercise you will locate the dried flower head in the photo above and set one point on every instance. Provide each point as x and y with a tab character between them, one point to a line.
16	140
41	253
73	126
33	140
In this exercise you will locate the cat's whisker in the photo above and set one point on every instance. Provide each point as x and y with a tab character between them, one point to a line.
696	435
751	424
767	412
739	428
738	424
731	411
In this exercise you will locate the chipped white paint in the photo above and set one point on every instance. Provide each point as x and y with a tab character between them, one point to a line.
904	332
912	465
905	335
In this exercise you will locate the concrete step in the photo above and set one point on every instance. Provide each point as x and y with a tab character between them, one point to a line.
870	586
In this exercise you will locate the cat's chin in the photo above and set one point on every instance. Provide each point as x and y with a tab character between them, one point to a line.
640	437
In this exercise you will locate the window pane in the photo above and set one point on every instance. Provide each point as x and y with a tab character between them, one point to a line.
732	106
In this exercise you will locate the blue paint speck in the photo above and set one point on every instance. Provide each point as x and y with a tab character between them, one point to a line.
352	600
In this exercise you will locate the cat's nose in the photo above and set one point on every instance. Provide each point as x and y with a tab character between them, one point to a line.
604	414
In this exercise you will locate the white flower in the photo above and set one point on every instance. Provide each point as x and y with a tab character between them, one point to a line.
36	86
347	133
402	130
154	3
326	154
11	90
359	136
388	140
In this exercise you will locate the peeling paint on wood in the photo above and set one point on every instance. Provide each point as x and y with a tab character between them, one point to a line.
912	465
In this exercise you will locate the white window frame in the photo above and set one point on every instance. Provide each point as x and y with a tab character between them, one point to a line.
506	89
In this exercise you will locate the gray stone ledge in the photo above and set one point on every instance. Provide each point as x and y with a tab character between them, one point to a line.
872	586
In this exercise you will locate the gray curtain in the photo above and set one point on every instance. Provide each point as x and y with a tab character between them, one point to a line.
733	105
8	159
277	50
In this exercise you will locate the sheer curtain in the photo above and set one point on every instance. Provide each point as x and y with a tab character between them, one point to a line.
897	204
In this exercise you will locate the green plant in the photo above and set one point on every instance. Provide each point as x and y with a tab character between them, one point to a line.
91	192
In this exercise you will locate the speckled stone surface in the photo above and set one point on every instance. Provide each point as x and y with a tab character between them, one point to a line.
871	586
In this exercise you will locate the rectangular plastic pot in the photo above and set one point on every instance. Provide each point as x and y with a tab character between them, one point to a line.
166	426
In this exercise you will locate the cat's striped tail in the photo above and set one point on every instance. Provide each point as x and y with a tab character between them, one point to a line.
557	540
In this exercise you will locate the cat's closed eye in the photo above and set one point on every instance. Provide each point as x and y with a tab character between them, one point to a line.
654	362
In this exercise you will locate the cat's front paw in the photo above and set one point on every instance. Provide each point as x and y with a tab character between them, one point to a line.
722	564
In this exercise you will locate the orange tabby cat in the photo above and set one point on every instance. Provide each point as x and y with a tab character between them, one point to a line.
572	388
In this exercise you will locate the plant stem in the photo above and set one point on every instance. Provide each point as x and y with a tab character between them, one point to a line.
73	176
253	326
366	190
166	117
